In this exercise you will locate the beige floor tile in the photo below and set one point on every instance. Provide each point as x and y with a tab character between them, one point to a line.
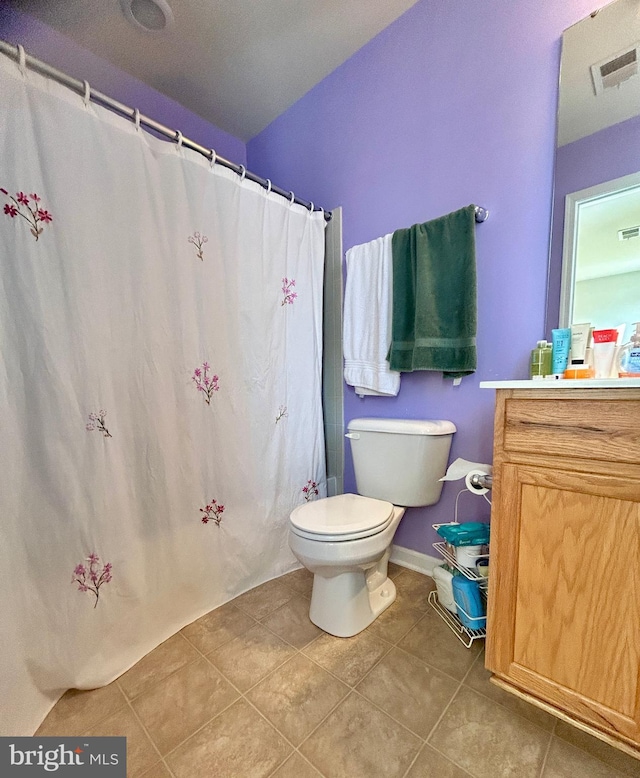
297	696
350	659
359	740
176	691
613	757
247	659
157	771
291	622
478	679
487	740
76	711
413	589
433	642
157	665
174	709
394	570
296	767
218	627
394	623
264	599
431	764
141	754
300	581
565	761
408	690
238	743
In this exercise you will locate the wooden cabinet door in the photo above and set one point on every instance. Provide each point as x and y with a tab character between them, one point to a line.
564	598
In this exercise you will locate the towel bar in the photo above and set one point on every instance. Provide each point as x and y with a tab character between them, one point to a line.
482	214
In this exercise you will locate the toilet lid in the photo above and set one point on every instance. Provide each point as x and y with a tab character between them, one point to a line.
344	514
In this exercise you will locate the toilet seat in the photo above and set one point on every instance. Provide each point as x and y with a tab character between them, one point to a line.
340	518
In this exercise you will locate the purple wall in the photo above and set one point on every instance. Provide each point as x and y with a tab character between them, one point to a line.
52	47
454	103
611	153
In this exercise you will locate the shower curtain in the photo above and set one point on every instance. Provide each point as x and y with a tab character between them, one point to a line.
160	383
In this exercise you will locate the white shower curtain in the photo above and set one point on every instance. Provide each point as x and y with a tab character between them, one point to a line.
160	385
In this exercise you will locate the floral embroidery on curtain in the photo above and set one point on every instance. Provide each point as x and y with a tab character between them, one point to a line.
91	578
198	241
27	206
212	512
310	490
205	383
96	422
287	291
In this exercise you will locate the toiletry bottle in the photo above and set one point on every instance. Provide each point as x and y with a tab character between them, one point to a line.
561	341
580	337
629	356
604	349
541	358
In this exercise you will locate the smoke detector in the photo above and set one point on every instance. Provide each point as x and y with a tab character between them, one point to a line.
614	70
148	15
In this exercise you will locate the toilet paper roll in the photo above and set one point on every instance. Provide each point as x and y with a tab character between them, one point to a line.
463	468
470	486
459	468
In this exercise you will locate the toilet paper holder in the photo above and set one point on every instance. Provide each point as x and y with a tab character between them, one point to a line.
481	481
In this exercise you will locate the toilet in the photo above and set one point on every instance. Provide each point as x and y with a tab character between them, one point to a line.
345	541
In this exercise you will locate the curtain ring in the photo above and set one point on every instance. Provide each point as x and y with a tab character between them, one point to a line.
268	185
212	157
292	198
179	138
87	93
22	60
244	172
322	211
311	207
136	119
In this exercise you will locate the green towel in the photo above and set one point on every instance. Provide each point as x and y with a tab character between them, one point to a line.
434	296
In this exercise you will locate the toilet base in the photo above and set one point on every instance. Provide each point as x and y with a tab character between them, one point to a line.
347	603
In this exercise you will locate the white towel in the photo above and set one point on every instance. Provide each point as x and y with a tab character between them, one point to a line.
367	319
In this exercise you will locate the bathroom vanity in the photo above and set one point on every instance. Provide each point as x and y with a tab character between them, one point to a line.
563	626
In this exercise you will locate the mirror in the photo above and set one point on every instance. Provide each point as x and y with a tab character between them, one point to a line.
594	263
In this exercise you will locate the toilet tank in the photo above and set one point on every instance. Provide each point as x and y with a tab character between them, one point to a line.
400	460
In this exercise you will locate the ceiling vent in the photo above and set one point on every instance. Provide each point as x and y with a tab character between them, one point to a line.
614	70
628	233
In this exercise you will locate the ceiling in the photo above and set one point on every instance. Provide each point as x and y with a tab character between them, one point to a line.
237	63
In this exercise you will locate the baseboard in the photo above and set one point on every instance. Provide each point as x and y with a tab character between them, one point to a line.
414	560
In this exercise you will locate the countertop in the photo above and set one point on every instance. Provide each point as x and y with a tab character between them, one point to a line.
565	383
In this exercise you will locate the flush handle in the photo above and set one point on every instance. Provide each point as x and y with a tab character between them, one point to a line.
353	435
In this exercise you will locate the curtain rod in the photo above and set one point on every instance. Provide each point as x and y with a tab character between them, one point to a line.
83	88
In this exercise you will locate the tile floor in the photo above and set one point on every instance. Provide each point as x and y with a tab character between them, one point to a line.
255	690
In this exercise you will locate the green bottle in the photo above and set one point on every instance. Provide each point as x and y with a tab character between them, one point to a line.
541	360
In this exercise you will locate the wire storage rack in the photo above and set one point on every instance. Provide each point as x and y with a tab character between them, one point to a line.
466	635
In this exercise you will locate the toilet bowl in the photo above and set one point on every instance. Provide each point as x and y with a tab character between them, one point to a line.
345	540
